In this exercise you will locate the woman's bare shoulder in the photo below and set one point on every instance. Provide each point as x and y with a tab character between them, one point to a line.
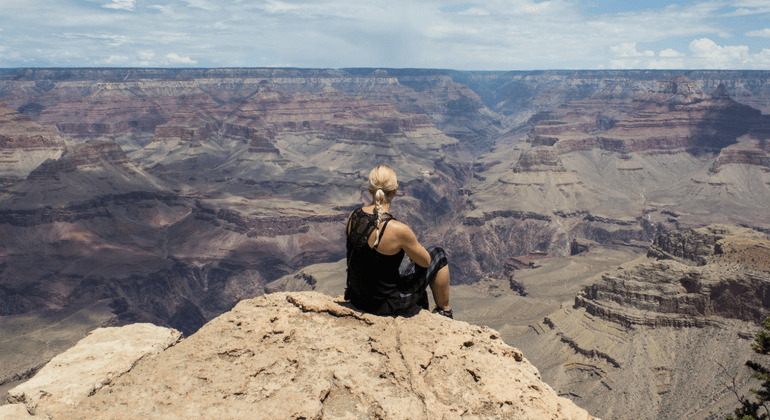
400	228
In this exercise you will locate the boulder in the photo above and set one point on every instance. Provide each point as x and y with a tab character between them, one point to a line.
97	360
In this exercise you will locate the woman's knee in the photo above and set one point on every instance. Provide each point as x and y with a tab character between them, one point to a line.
442	275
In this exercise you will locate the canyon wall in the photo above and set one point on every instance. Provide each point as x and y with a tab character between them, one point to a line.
665	336
220	181
173	194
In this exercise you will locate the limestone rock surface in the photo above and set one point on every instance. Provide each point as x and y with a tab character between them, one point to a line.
307	355
97	360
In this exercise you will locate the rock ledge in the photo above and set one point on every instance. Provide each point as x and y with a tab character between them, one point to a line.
306	355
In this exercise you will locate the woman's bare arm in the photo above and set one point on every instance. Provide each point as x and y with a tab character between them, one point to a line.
411	246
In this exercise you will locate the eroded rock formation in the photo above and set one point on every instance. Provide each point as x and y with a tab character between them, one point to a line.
24	145
679	321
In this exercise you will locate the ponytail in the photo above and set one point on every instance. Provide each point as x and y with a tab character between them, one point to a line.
382	186
379	199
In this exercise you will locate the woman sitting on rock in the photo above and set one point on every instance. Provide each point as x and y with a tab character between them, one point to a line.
376	243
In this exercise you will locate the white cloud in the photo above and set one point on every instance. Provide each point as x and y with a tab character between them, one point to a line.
625	64
706	54
113	59
145	54
669	52
667	63
275	6
764	33
175	58
200	4
629	50
169	37
121	4
715	56
494	34
111	40
163	9
474	11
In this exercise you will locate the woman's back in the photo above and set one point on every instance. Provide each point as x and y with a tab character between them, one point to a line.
373	276
389	243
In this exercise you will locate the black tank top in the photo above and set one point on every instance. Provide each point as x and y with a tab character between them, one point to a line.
372	277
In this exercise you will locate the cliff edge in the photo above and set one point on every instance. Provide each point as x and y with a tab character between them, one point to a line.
305	355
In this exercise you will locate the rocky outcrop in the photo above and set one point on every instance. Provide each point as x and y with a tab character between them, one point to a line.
697	246
85	156
694	283
305	355
24	145
742	156
660	336
538	159
94	362
670	115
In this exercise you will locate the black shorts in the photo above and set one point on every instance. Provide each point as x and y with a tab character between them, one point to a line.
412	293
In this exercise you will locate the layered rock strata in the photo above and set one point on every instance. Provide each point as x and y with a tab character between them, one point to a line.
618	168
731	281
267	356
237	177
672	116
92	226
311	134
680	321
24	145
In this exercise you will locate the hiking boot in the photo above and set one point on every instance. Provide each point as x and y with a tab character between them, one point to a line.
440	311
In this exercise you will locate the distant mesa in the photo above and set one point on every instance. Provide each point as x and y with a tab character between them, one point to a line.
539	160
24	145
721	93
742	156
674	115
694	280
89	155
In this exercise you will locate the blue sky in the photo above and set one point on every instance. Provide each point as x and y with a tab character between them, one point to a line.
489	35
